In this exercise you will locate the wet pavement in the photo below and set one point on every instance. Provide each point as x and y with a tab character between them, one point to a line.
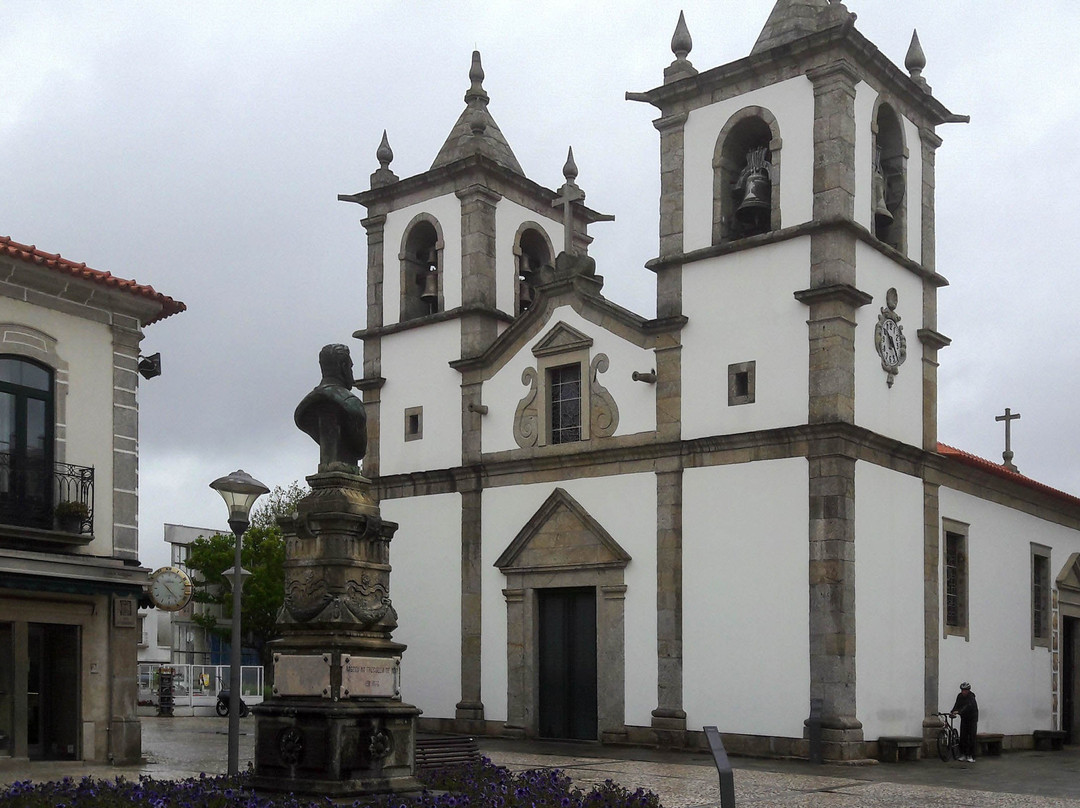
186	747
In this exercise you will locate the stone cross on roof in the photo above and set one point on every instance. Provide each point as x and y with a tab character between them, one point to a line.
1007	455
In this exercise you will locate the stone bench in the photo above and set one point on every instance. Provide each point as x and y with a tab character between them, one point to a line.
442	752
989	743
893	749
1049	740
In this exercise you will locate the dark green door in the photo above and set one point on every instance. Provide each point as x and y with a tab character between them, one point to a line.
1070	678
568	663
52	692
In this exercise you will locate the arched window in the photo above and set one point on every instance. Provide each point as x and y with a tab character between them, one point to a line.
746	176
889	208
421	269
531	251
26	442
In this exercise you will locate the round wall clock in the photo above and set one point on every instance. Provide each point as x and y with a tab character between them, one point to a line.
889	338
170	589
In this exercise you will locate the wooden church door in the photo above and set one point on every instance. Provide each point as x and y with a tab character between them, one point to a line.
567	663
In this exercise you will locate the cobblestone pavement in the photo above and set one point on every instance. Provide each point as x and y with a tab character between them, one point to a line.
185	747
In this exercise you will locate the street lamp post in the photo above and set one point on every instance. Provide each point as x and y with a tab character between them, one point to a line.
239	490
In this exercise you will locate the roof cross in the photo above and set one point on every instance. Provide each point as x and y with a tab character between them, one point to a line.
1007	455
568	194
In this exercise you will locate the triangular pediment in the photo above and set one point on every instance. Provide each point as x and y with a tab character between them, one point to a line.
1069	577
560	339
561	535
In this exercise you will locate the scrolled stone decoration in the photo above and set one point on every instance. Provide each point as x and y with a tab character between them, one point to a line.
526	417
332	416
380	744
291	746
604	411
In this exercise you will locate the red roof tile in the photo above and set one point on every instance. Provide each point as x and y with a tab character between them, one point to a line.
999	470
33	255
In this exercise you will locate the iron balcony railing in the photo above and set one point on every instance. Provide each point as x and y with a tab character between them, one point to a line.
50	496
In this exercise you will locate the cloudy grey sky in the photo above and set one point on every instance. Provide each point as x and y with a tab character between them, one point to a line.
200	147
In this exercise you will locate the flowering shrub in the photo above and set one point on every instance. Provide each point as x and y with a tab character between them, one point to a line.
481	786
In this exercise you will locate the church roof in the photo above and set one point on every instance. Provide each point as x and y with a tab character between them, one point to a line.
475	131
790	20
53	261
998	470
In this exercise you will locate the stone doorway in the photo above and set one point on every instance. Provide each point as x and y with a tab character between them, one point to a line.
567	663
1068	668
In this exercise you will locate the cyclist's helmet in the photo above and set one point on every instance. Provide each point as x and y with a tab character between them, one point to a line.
965	686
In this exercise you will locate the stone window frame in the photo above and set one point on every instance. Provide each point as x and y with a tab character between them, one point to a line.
961	530
725	172
27	342
548	359
742	394
414	423
1041	602
519	254
898	230
408	266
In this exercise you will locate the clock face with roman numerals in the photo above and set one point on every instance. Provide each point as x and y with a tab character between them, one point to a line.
889	338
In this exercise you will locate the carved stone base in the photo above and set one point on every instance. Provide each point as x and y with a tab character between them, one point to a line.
340	749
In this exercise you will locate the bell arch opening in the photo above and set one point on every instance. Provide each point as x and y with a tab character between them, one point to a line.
532	250
421	268
746	176
888	200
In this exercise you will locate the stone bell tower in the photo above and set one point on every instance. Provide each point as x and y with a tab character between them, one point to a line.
336	724
797	189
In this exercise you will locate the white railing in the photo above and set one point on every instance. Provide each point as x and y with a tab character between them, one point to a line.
195	687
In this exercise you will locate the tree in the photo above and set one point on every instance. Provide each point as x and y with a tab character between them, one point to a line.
263	554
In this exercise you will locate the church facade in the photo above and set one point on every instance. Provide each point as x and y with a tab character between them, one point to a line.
736	512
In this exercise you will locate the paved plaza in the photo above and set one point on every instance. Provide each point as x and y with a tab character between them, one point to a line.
185	747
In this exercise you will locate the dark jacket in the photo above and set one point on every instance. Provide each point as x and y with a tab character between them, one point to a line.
966	706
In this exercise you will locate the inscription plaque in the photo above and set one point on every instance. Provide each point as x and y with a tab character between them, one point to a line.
370	676
302	675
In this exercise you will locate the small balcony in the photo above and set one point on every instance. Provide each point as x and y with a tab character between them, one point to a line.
55	497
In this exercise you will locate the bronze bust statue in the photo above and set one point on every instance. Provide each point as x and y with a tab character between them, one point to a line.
332	415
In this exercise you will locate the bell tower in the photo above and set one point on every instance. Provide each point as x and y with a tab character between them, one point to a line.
796	220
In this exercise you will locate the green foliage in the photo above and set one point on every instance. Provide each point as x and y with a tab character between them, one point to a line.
263	555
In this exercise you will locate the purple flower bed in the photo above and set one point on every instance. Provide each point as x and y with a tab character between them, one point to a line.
481	786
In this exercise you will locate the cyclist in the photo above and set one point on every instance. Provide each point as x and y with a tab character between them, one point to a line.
968	709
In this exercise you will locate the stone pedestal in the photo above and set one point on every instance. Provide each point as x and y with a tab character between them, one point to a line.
336	724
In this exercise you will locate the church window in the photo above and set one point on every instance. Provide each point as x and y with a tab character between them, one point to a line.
564	386
746	174
956	580
26	443
421	269
741	383
566	401
532	251
414	423
1040	596
889	209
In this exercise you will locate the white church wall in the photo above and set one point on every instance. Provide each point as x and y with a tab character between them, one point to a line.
913	200
625	505
892	411
425	586
865	98
419	376
447	210
888	601
746	642
1011	679
741	308
636	401
509	216
792	102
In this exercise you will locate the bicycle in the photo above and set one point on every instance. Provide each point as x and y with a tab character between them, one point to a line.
948	738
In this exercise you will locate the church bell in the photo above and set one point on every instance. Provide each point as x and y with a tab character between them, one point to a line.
756	184
882	215
430	292
525	294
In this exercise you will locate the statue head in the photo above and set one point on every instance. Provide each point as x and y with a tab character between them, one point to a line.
336	363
